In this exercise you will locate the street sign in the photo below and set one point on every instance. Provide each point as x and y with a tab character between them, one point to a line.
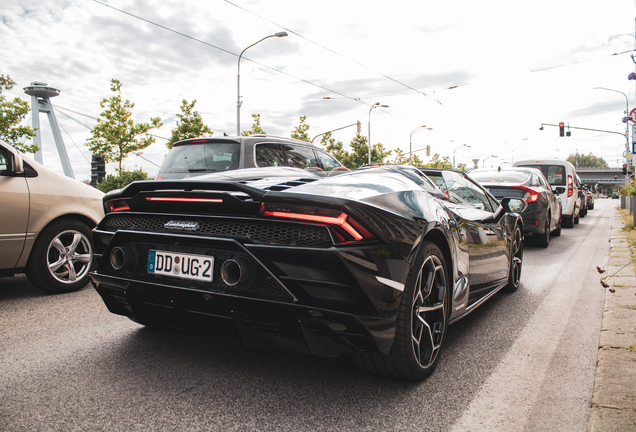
632	115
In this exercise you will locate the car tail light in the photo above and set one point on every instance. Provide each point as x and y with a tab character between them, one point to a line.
570	188
530	196
344	227
159	178
115	206
185	200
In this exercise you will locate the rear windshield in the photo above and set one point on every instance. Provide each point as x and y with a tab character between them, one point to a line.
501	177
554	173
208	157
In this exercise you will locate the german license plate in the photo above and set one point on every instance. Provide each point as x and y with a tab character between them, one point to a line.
180	265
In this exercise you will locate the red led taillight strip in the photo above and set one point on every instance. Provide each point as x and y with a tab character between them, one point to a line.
116	205
198	200
342	221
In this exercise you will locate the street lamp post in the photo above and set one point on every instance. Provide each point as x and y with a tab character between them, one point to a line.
419	128
463	145
483	165
627	149
375	105
238	81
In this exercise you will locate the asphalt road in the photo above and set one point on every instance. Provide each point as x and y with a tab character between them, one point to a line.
523	361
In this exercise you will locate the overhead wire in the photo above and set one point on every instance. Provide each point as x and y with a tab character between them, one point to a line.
94	118
234	54
73	141
337	53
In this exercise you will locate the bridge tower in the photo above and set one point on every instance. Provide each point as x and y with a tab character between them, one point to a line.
41	102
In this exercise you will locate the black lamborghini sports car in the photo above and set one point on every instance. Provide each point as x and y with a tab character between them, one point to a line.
374	262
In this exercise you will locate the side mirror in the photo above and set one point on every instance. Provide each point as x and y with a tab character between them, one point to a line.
16	165
514	205
559	190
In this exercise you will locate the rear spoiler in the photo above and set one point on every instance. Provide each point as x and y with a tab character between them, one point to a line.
189	186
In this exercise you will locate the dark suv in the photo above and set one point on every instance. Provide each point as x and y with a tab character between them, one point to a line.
197	156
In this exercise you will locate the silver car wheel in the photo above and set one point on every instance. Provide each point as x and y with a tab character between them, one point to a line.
69	256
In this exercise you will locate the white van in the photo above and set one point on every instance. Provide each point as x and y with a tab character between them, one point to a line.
564	181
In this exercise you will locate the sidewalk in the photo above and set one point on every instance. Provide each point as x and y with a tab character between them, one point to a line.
613	405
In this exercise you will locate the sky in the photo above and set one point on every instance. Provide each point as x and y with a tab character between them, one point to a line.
485	74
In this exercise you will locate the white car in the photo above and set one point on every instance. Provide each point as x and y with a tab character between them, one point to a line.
564	181
46	225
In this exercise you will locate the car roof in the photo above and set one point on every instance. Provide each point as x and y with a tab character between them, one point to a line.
239	139
509	169
543	162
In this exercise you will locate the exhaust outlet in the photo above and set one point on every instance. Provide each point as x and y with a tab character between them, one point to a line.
123	257
237	271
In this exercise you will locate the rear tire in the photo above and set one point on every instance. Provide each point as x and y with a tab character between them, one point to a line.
568	222
557	231
421	322
543	240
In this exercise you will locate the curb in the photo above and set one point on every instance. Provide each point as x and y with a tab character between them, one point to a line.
613	406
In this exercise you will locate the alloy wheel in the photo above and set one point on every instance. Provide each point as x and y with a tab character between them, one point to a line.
69	256
429	311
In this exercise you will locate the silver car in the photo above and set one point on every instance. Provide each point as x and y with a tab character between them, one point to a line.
197	156
45	223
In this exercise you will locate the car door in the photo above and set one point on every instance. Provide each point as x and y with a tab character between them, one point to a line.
269	154
327	161
300	156
481	233
554	203
14	211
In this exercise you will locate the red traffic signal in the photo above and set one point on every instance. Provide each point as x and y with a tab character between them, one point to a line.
624	168
561	129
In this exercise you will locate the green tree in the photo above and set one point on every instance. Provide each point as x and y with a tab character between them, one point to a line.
403	159
360	151
11	114
587	161
360	154
256	127
336	149
122	179
189	125
300	131
116	135
436	162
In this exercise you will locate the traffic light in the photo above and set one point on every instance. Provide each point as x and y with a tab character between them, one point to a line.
561	129
98	169
428	150
624	168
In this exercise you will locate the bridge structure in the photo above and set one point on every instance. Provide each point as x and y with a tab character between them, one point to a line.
603	176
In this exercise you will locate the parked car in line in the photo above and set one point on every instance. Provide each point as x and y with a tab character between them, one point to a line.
46	223
542	217
589	197
615	195
561	174
374	263
198	156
